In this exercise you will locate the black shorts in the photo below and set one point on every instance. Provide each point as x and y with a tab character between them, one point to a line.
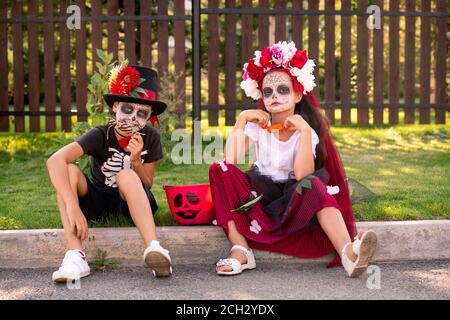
100	202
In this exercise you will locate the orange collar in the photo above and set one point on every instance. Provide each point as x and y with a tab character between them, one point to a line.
275	127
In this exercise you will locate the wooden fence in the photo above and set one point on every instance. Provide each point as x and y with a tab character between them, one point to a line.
401	67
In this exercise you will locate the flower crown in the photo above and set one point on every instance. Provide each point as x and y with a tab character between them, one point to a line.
279	55
125	80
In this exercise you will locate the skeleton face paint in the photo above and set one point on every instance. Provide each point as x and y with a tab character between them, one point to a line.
278	93
131	117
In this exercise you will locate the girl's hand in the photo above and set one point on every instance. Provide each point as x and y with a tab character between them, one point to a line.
135	147
257	116
296	122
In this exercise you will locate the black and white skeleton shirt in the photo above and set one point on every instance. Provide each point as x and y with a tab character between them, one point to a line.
108	158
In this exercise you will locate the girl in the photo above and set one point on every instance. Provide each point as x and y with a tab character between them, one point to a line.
294	199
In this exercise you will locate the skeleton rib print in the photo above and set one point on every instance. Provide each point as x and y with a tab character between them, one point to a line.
116	163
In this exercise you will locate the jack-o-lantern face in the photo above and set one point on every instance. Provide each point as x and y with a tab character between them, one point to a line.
191	204
187	206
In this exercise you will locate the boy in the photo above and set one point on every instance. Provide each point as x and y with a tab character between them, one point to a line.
123	160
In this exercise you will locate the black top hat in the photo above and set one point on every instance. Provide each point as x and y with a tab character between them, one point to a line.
151	87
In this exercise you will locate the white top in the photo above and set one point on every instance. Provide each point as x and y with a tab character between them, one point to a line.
275	158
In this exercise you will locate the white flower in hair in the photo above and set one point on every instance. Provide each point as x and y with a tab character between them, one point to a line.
306	77
288	50
295	72
250	88
257	57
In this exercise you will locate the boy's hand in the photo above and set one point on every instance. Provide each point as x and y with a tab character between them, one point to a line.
78	223
135	147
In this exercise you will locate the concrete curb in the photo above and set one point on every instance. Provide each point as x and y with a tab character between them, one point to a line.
400	240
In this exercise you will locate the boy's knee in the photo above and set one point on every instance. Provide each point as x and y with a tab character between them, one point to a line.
74	171
127	177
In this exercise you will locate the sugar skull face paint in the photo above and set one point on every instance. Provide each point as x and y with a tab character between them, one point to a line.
131	117
278	93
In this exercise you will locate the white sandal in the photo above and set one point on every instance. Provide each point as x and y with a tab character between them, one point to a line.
364	248
235	264
158	260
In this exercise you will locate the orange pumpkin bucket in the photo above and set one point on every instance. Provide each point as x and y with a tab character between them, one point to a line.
190	204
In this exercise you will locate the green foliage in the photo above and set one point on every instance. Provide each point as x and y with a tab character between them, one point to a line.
12	143
7	223
98	86
102	263
58	142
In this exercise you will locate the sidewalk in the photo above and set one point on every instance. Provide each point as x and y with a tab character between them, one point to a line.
392	280
398	241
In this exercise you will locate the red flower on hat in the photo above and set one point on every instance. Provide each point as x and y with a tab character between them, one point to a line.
299	59
255	72
125	81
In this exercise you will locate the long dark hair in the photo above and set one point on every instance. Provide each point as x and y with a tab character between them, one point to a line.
315	119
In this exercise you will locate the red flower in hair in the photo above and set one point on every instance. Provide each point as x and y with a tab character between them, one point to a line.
297	86
299	59
255	72
266	58
126	80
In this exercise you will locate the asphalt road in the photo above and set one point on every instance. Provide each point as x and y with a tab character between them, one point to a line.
408	280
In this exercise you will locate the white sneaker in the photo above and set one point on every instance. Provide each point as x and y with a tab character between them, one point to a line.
73	267
158	260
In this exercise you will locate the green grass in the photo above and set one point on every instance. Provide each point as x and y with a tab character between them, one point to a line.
408	167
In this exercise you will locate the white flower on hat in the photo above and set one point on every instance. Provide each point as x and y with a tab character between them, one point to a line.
113	73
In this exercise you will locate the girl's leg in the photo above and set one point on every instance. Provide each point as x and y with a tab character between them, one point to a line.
235	238
229	185
330	220
79	186
130	188
332	223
